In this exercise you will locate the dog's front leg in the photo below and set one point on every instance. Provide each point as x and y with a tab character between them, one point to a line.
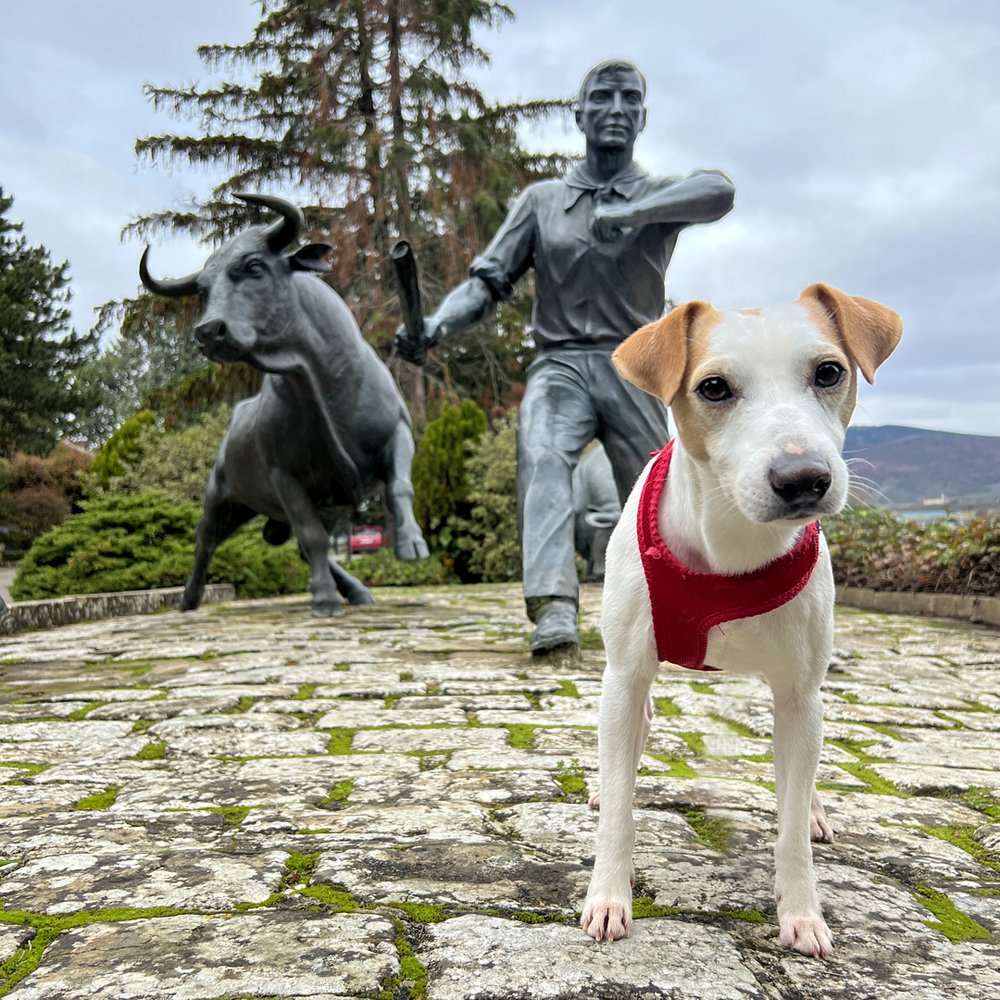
798	736
622	725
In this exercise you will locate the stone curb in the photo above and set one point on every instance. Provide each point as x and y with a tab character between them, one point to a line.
983	610
69	610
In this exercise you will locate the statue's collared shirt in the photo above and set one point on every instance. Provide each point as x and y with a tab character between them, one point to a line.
589	293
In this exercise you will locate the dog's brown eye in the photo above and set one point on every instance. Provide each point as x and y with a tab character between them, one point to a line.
714	390
828	375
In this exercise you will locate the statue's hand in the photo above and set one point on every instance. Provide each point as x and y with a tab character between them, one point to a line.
609	222
416	354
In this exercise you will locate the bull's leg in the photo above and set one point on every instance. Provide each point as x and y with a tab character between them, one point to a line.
350	586
410	542
219	520
314	542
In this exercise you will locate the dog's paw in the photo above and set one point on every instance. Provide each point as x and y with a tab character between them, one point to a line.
594	802
806	933
605	920
820	831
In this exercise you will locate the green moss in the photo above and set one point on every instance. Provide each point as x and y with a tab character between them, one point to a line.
152	751
342	667
701	687
590	638
566	689
305	692
982	800
300	868
412	975
421	913
243	705
340	741
875	783
406	675
334	896
666	706
390	701
955	925
233	815
749	916
893	734
28	771
99	800
849	697
25	960
521	736
694	741
141	726
678	767
712	831
570	778
644	907
337	797
737	727
964	838
82	713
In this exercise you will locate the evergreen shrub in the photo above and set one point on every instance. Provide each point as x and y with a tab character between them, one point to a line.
145	540
880	550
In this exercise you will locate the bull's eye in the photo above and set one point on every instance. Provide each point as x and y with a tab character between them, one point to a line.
714	389
829	374
254	268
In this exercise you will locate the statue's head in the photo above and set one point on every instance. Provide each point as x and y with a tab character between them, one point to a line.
611	104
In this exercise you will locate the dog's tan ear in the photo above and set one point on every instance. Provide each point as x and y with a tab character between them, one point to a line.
869	330
654	357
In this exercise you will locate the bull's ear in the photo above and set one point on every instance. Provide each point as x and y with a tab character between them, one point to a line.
654	358
868	330
310	257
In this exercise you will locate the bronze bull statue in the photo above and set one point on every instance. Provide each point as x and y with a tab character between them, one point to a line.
328	425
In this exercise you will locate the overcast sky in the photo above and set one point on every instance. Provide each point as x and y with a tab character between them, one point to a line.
863	138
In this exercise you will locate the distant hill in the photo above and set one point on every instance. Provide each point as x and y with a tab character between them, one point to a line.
908	465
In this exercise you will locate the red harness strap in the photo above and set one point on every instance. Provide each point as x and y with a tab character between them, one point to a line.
686	605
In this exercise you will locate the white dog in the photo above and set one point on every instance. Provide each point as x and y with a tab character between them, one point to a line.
761	399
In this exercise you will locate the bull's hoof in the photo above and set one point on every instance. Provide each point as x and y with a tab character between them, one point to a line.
410	549
324	608
190	600
358	595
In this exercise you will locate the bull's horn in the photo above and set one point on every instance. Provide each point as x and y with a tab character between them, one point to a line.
172	287
287	229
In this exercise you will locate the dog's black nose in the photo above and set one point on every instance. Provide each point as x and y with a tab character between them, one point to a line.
800	480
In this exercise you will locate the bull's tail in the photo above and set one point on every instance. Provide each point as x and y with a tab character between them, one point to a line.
276	532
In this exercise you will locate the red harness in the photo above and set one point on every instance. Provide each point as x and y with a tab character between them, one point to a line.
687	604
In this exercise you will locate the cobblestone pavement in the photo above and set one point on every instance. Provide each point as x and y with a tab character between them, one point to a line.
250	802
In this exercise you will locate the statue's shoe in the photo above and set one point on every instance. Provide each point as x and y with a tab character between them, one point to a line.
555	626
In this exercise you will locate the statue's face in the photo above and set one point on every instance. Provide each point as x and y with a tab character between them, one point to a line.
611	113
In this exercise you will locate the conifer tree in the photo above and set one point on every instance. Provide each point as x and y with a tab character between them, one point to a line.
365	108
39	353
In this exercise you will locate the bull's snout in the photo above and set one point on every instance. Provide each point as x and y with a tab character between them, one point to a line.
801	481
210	333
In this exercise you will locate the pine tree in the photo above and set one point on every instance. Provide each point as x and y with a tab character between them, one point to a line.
363	105
39	354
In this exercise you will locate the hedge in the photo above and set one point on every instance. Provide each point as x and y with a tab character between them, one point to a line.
883	551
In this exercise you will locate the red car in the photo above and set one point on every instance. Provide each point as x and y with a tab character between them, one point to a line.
367	538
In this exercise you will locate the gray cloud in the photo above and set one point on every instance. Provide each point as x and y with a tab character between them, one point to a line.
863	140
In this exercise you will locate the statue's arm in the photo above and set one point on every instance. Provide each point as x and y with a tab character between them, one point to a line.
492	277
703	196
465	305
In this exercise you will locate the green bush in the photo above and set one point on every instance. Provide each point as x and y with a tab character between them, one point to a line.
145	540
490	532
440	482
123	448
37	493
383	569
882	551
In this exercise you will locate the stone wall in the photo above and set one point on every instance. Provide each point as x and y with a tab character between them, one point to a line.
67	610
